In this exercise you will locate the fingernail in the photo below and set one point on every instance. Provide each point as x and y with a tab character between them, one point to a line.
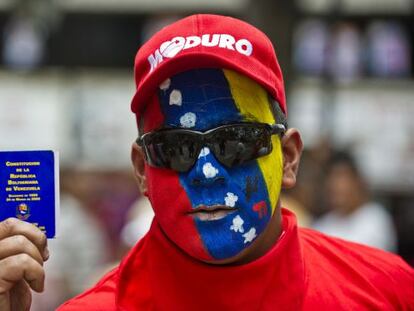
46	253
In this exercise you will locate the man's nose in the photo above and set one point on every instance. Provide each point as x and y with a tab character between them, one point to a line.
207	170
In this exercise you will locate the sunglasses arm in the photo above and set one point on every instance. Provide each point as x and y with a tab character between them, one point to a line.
278	129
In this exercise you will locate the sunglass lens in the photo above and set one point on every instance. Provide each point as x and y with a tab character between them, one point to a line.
177	151
238	144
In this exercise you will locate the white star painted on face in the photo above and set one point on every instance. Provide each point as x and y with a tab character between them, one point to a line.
209	170
176	98
204	152
188	120
165	85
237	225
250	235
231	199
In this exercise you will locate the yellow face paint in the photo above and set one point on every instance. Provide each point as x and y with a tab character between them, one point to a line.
253	102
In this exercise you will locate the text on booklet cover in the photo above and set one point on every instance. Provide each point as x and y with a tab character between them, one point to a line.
29	188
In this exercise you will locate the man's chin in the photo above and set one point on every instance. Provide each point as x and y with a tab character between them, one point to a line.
194	252
233	260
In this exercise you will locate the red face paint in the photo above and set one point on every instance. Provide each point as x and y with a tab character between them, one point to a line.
260	208
169	199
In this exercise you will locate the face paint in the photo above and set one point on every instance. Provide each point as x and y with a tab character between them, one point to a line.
243	197
251	186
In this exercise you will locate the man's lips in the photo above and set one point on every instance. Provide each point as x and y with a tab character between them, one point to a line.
212	212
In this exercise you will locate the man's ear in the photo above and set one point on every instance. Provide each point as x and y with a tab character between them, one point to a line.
138	161
292	149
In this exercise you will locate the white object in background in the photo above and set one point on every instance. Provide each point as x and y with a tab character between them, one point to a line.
23	46
106	128
33	113
306	110
138	221
370	224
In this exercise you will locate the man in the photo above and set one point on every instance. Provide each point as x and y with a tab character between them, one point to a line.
349	206
212	156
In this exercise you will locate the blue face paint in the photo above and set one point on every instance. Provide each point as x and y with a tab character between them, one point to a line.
204	94
201	100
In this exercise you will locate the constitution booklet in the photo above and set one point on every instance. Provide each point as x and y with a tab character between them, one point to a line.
29	188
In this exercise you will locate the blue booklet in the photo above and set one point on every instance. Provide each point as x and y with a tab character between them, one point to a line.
29	188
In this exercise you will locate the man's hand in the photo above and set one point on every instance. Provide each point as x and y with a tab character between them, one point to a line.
23	249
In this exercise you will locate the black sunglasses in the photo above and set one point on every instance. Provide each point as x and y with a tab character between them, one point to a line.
232	144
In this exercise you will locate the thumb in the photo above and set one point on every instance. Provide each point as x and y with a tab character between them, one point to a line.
20	297
5	301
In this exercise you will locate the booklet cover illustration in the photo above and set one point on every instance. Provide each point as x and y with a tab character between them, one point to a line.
29	188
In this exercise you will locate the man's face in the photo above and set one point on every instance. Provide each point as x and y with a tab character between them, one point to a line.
211	211
344	189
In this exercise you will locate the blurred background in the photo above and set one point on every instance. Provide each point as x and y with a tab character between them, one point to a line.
66	81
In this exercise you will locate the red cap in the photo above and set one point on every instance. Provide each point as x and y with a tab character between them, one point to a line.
206	41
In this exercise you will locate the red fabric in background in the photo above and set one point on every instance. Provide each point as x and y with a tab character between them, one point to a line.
305	270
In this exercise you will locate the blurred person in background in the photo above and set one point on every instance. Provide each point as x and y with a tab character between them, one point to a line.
305	198
352	214
212	156
27	31
138	222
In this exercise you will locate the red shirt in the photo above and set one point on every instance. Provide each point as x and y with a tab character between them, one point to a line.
305	270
